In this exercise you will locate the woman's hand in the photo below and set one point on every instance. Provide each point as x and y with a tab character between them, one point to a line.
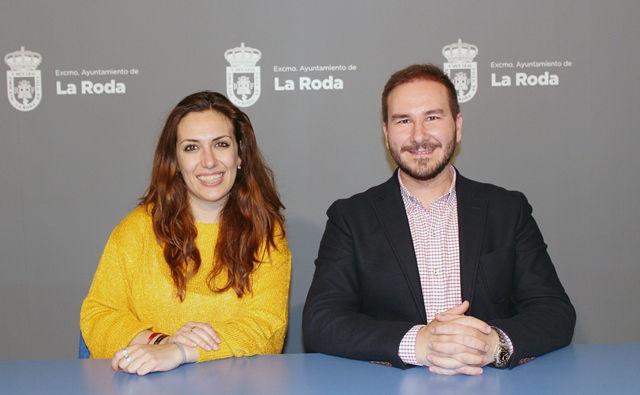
141	358
144	358
194	334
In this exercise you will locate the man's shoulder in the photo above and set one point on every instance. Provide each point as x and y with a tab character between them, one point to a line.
468	187
472	192
371	195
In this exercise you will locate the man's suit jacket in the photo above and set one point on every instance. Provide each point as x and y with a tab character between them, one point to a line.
366	293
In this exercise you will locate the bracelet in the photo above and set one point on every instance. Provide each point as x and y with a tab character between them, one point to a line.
160	338
184	354
154	334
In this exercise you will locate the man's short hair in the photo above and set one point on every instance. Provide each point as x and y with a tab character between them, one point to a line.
420	72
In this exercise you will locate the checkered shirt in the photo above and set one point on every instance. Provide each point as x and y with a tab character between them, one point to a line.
435	240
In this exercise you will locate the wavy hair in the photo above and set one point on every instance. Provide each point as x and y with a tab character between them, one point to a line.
249	219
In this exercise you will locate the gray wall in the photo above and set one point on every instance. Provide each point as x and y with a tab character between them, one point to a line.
71	168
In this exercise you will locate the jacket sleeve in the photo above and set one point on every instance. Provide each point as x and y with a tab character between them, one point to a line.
525	297
335	319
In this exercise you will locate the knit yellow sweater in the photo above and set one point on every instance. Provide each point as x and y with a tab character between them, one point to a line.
132	291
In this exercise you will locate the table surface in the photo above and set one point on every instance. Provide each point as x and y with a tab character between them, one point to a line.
577	369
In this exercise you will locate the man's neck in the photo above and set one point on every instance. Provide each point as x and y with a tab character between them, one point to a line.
428	191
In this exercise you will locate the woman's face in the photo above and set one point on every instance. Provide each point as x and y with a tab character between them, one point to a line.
208	159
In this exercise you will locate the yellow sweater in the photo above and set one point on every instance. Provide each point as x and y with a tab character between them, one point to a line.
132	291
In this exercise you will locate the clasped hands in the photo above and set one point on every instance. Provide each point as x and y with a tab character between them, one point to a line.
146	358
453	343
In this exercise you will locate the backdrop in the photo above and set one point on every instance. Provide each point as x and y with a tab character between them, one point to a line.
548	90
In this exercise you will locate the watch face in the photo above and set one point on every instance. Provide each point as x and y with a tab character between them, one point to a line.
503	356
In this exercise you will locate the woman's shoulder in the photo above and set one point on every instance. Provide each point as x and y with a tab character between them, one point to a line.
138	220
138	216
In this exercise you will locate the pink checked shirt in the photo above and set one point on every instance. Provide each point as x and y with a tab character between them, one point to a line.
435	240
434	231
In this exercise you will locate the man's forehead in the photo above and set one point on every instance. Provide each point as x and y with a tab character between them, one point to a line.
418	93
421	84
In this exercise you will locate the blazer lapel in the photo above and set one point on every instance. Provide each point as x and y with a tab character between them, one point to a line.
471	224
393	219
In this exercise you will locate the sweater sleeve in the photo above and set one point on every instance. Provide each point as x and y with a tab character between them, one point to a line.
262	326
107	320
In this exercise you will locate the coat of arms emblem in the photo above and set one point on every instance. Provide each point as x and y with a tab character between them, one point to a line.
461	68
243	76
24	82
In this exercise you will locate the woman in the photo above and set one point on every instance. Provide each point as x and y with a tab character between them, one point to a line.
200	270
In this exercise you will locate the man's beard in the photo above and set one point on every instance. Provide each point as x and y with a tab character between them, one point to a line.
424	169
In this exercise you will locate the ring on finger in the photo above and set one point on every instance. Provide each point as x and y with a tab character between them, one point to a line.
125	353
128	359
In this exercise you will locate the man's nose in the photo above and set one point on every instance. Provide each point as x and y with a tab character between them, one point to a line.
420	133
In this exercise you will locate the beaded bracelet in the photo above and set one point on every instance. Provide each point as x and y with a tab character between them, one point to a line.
160	338
154	334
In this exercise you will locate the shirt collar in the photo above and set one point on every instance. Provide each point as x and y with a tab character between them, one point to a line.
451	196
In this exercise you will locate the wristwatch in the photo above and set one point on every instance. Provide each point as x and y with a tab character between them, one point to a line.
503	355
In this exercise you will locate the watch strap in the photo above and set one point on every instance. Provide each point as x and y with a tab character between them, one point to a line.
504	351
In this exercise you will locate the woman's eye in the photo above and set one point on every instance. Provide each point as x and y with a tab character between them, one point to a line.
190	147
222	144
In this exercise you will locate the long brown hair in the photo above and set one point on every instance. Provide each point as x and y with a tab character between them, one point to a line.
250	216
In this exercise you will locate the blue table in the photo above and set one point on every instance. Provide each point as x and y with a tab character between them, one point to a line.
578	369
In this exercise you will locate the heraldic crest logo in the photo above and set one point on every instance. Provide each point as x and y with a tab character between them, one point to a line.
24	82
461	68
243	76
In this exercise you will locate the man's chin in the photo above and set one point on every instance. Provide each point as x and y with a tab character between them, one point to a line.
420	174
424	172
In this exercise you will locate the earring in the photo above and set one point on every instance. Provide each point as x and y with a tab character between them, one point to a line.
239	167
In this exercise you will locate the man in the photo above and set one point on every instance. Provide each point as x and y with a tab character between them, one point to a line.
431	268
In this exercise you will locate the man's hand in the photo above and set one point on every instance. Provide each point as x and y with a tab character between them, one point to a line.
453	343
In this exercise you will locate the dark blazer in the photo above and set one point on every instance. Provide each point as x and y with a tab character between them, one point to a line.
366	294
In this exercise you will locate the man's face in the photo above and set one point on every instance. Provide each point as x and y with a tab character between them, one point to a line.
420	132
